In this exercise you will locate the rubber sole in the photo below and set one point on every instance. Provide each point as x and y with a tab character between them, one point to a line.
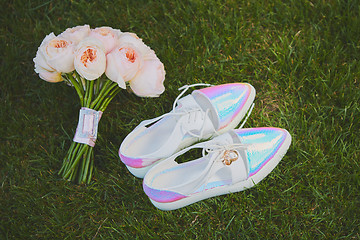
240	186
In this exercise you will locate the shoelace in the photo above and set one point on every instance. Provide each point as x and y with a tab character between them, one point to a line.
221	153
185	88
188	112
218	152
192	113
221	149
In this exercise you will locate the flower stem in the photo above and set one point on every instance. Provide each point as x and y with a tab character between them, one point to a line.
101	95
97	86
81	171
67	157
77	159
71	157
107	101
86	94
75	83
86	169
80	80
91	168
104	95
90	93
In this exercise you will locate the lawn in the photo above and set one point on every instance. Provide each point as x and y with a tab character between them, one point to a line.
301	56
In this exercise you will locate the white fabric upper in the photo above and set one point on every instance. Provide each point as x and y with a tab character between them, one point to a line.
202	173
162	136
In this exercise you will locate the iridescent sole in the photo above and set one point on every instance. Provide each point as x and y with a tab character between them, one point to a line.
226	189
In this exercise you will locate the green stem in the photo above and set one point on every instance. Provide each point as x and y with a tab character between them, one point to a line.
77	159
81	81
90	90
67	158
107	101
77	88
86	93
86	169
95	104
70	177
71	157
91	169
75	83
97	86
106	96
103	89
81	170
73	174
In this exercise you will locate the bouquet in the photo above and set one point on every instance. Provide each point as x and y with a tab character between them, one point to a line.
98	63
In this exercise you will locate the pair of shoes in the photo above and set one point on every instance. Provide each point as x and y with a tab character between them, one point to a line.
232	161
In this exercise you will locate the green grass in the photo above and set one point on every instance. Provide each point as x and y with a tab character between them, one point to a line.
303	59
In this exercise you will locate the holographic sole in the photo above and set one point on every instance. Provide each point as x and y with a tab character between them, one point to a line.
226	189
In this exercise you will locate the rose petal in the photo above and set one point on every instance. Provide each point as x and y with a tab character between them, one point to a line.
90	62
149	80
50	76
131	38
107	35
40	62
123	63
60	55
76	34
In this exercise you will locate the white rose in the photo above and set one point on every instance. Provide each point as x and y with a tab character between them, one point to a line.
76	34
45	71
58	53
123	63
107	35
41	63
148	82
90	59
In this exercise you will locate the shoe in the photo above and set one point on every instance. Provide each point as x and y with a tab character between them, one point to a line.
231	162
205	113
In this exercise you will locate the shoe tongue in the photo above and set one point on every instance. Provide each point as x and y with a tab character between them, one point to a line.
187	102
205	103
239	166
226	138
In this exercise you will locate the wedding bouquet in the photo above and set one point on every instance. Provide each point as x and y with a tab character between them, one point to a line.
98	63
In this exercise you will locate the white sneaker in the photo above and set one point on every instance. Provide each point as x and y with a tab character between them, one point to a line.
198	116
231	162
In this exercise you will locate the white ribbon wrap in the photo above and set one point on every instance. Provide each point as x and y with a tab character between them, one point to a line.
87	128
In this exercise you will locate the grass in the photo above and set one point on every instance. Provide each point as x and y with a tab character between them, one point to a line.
303	59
